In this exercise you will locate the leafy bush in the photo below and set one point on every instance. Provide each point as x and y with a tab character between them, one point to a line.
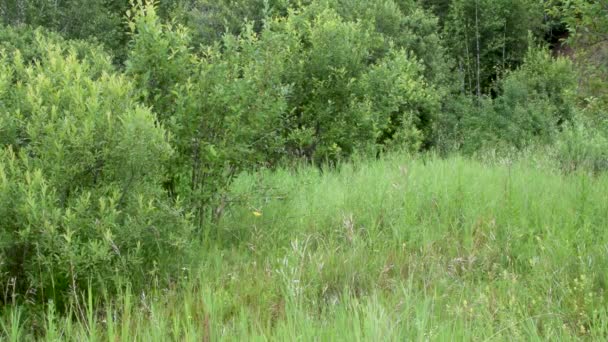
333	44
329	121
401	100
159	58
403	25
31	46
223	107
81	174
348	93
533	103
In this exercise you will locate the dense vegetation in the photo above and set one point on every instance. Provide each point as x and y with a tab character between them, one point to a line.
400	168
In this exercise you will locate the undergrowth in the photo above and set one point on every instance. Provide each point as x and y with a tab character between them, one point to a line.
395	249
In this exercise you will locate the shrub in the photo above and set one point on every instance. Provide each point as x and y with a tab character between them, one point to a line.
353	88
31	46
532	105
329	120
223	107
404	104
81	174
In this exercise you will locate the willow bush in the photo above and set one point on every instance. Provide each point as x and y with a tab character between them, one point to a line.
81	173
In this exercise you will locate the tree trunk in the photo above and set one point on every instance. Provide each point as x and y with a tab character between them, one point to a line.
478	49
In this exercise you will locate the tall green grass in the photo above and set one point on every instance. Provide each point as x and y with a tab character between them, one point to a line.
395	249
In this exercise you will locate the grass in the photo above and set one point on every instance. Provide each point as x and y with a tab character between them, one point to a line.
396	249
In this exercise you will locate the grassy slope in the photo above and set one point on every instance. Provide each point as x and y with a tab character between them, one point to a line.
385	250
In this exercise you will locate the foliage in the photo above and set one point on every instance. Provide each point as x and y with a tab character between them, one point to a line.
377	30
533	102
159	58
587	23
586	20
99	20
400	248
210	20
223	108
405	25
329	120
30	44
81	170
350	92
489	37
304	86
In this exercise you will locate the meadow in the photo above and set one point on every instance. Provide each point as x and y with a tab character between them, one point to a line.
401	248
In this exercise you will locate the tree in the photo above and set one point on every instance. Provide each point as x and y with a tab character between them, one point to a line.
488	38
587	23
